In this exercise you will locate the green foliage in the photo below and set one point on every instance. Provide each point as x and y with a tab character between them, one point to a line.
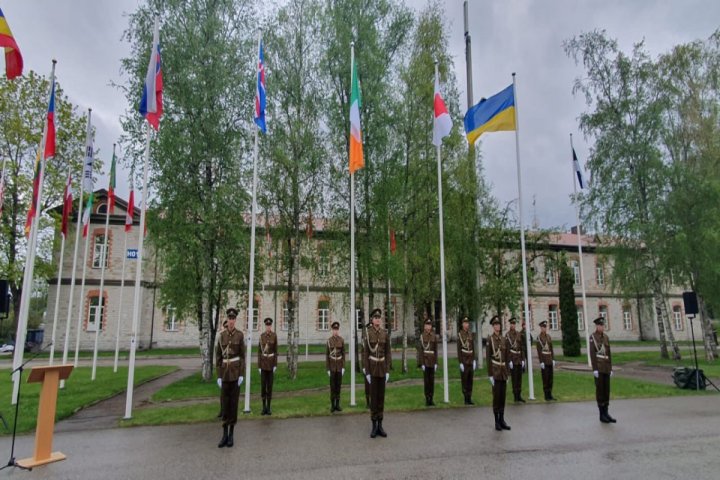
568	311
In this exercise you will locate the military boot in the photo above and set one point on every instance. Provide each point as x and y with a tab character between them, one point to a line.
603	417
332	405
269	412
337	405
520	398
374	431
504	425
607	415
498	427
230	439
224	440
430	401
380	430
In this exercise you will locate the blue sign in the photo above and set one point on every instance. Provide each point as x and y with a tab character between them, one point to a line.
132	253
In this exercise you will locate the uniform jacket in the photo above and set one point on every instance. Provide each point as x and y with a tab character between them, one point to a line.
230	355
600	352
546	354
497	357
377	356
428	349
267	351
515	346
335	354
466	347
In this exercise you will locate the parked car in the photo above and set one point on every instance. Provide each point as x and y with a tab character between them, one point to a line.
7	348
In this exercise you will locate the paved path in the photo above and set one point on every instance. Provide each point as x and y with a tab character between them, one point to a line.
664	438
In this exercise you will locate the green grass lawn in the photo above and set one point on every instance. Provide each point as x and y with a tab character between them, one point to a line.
79	392
569	386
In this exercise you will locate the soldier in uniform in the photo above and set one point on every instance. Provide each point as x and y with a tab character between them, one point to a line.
516	358
267	364
428	360
217	340
497	372
546	357
377	360
466	359
230	361
602	368
335	365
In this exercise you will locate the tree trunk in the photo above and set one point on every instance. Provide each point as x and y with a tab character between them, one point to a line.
663	319
707	332
291	345
204	331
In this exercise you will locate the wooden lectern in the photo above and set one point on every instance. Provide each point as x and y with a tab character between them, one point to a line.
50	377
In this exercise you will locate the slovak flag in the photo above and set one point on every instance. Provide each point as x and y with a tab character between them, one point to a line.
260	100
130	211
578	172
151	103
442	123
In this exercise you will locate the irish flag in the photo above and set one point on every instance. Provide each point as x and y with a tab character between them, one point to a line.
356	152
442	123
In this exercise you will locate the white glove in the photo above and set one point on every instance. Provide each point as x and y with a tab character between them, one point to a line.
387	377
542	365
367	377
342	372
274	368
462	368
595	372
511	365
611	373
240	380
436	367
363	371
423	367
474	364
553	363
328	373
219	382
259	371
523	364
492	381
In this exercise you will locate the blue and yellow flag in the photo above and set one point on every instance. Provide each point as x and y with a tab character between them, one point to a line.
493	114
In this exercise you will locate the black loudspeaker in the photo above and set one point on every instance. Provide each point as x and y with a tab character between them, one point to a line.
4	296
691	303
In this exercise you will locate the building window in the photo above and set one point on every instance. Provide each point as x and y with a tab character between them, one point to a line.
256	314
627	318
581	318
553	317
677	316
323	318
522	315
576	271
285	316
603	312
600	275
359	319
549	274
99	251
102	208
171	323
95	312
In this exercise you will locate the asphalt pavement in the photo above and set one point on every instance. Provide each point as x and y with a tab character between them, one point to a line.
663	438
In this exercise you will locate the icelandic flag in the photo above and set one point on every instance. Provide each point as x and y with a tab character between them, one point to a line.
578	172
151	103
260	91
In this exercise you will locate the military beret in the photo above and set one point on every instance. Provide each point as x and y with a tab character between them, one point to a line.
335	325
268	321
231	312
599	321
428	322
465	319
495	320
376	313
512	320
543	323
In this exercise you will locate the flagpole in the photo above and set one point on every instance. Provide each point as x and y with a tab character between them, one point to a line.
101	299
21	334
580	261
446	394
120	305
138	277
82	291
66	344
57	289
531	387
353	317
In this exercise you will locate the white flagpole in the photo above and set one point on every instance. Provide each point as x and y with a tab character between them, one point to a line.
353	317
138	274
66	343
531	387
446	393
120	305
580	261
82	292
251	292
30	263
57	295
101	299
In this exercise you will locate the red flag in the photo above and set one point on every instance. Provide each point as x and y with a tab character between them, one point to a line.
33	201
393	245
130	210
67	206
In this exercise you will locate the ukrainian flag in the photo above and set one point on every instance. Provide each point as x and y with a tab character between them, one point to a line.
494	114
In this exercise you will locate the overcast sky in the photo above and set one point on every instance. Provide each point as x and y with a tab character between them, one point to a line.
522	36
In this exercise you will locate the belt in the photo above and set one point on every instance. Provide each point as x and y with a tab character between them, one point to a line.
230	360
514	351
335	358
429	352
375	359
466	351
547	353
268	354
601	356
499	364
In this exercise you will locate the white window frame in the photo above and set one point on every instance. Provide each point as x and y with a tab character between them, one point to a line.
553	317
575	265
627	319
550	277
323	318
604	314
256	315
600	274
99	251
677	315
581	318
171	323
285	315
358	319
92	311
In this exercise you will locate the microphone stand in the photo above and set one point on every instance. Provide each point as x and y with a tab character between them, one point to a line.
12	462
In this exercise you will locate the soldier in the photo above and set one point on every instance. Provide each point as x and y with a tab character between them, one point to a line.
267	363
546	357
217	340
466	359
516	356
497	372
335	365
377	360
602	368
230	361
428	359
